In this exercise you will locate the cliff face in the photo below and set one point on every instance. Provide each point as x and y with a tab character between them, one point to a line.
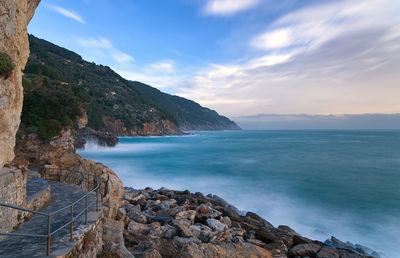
15	16
155	128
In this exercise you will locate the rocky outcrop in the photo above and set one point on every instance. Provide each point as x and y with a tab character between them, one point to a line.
172	223
162	127
15	16
59	153
89	135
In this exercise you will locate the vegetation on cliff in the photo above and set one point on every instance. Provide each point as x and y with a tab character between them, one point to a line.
58	83
6	65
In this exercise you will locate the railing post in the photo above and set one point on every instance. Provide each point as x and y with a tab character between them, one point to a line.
48	234
97	194
71	226
86	207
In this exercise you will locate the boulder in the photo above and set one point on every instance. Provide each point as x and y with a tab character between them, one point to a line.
182	225
131	207
256	220
186	240
190	215
203	209
216	225
113	239
137	216
305	250
201	231
233	213
163	219
138	228
327	252
226	220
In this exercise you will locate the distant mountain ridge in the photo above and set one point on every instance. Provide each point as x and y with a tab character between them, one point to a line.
305	121
112	103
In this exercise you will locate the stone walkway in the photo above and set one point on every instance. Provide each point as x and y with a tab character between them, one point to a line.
62	195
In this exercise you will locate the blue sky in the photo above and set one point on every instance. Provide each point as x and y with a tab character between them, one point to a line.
242	57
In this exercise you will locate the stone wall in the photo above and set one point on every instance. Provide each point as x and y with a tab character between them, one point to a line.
12	191
15	16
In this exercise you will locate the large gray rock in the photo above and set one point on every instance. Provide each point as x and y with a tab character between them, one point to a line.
216	225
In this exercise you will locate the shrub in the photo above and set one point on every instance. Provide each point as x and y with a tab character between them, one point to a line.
6	65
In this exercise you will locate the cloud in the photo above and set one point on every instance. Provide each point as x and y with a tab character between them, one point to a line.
67	13
103	47
228	7
163	66
121	57
339	57
275	39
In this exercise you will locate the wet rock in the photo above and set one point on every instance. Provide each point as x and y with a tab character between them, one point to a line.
267	235
352	249
233	213
216	225
297	240
256	220
216	200
305	250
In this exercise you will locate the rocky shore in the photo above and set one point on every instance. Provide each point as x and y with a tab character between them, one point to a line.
167	223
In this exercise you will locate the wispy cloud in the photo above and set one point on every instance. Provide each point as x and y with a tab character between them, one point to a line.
67	13
337	57
163	66
228	7
104	47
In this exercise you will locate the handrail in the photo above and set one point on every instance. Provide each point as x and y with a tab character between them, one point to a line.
49	215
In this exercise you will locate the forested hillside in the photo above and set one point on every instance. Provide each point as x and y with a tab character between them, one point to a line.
59	86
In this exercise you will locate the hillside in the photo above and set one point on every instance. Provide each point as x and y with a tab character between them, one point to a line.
59	86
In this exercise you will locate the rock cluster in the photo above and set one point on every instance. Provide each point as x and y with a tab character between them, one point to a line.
87	134
171	223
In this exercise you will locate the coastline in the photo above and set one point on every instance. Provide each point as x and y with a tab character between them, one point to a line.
181	223
137	175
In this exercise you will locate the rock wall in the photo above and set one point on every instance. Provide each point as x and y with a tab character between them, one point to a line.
12	191
15	16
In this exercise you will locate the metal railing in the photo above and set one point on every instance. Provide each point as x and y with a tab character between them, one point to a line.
63	176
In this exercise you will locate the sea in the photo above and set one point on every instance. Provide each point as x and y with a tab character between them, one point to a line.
326	183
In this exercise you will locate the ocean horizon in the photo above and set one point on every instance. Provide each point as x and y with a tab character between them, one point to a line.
322	183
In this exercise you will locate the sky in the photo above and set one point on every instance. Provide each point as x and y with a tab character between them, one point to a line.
242	57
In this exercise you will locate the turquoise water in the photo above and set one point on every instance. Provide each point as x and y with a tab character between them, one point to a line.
321	183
